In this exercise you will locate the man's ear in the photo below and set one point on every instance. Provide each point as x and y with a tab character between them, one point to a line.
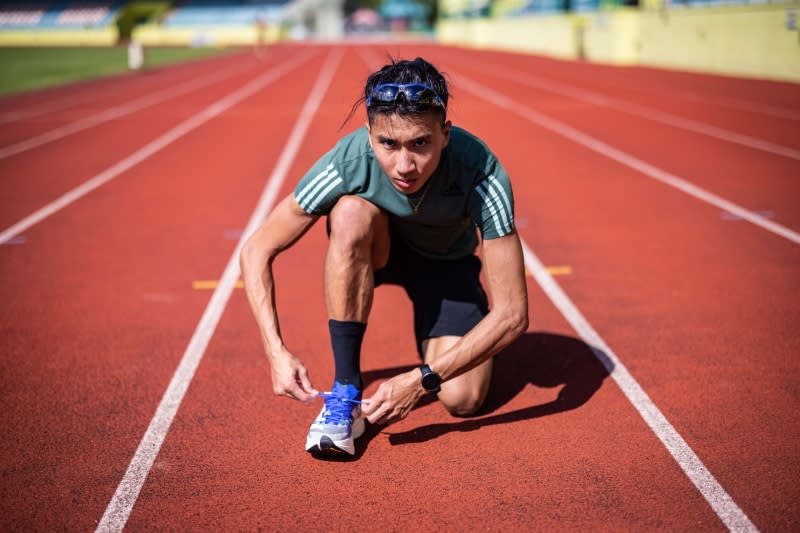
446	131
369	130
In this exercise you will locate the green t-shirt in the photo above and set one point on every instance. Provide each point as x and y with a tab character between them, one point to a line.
469	189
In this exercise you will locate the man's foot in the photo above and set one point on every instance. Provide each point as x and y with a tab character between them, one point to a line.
338	424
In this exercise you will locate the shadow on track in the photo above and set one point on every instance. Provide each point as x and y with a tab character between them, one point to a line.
541	359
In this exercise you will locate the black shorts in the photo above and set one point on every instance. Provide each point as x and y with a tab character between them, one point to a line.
447	295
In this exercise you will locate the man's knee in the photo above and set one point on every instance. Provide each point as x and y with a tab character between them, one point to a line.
463	395
352	219
463	402
356	224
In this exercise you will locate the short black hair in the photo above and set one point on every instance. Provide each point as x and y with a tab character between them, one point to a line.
405	71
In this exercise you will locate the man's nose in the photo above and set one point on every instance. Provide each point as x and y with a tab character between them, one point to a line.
405	163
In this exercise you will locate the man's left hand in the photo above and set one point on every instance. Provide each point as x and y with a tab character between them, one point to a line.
394	399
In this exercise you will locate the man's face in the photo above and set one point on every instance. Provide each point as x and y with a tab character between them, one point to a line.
408	148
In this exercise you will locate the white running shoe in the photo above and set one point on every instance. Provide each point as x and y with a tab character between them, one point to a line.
338	424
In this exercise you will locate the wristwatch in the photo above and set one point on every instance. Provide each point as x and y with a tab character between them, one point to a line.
431	381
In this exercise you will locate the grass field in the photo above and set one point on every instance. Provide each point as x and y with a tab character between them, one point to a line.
23	69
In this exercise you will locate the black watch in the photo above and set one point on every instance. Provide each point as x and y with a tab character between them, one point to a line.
431	381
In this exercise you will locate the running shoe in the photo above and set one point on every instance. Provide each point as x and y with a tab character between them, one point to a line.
338	424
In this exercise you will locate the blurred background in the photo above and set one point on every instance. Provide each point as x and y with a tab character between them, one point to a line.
45	42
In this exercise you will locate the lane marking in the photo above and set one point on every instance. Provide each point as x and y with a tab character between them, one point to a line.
721	101
155	146
560	270
766	213
716	496
232	234
71	100
59	105
204	284
49	106
733	103
118	111
594	144
19	239
743	105
648	113
719	500
119	509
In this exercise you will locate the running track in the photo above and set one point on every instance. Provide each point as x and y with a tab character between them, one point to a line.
657	388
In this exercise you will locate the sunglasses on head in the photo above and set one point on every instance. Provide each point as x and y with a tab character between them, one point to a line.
413	93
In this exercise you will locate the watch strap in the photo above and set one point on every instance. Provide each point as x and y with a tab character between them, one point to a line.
427	375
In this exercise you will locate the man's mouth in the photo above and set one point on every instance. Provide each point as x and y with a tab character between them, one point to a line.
405	184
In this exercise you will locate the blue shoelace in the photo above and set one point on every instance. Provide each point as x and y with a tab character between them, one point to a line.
338	409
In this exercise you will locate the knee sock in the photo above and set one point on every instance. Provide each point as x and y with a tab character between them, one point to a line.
346	338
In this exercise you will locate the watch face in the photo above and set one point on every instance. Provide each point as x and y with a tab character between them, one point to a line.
431	381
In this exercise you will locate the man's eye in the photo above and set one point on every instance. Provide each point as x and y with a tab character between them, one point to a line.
388	143
420	142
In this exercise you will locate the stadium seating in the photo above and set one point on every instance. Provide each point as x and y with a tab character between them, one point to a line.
224	12
541	7
49	15
96	14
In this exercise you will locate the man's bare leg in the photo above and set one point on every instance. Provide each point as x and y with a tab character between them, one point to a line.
358	245
464	394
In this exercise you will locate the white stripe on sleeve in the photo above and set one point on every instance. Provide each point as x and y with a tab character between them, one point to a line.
315	196
502	214
506	201
325	192
489	203
300	195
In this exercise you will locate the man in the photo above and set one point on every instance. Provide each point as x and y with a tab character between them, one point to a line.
403	199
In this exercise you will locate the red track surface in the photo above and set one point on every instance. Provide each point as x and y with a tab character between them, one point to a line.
699	306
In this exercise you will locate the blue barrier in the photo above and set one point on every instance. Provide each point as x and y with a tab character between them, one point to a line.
222	13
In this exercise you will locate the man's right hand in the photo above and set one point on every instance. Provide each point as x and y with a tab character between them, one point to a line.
290	378
284	226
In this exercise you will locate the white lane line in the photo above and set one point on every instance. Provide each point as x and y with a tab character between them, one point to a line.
49	107
742	105
624	158
648	113
118	111
718	100
154	146
71	97
119	509
716	496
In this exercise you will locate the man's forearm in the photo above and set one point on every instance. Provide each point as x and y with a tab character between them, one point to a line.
260	288
496	331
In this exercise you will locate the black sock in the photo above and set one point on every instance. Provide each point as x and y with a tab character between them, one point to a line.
346	340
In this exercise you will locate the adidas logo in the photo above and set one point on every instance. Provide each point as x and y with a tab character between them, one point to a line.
452	190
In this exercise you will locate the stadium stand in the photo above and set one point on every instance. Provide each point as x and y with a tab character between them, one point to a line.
224	12
57	15
539	7
20	16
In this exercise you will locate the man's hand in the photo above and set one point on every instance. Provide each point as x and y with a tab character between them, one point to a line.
284	226
290	378
394	399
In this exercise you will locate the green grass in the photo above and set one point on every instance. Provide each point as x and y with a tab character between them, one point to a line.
23	69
